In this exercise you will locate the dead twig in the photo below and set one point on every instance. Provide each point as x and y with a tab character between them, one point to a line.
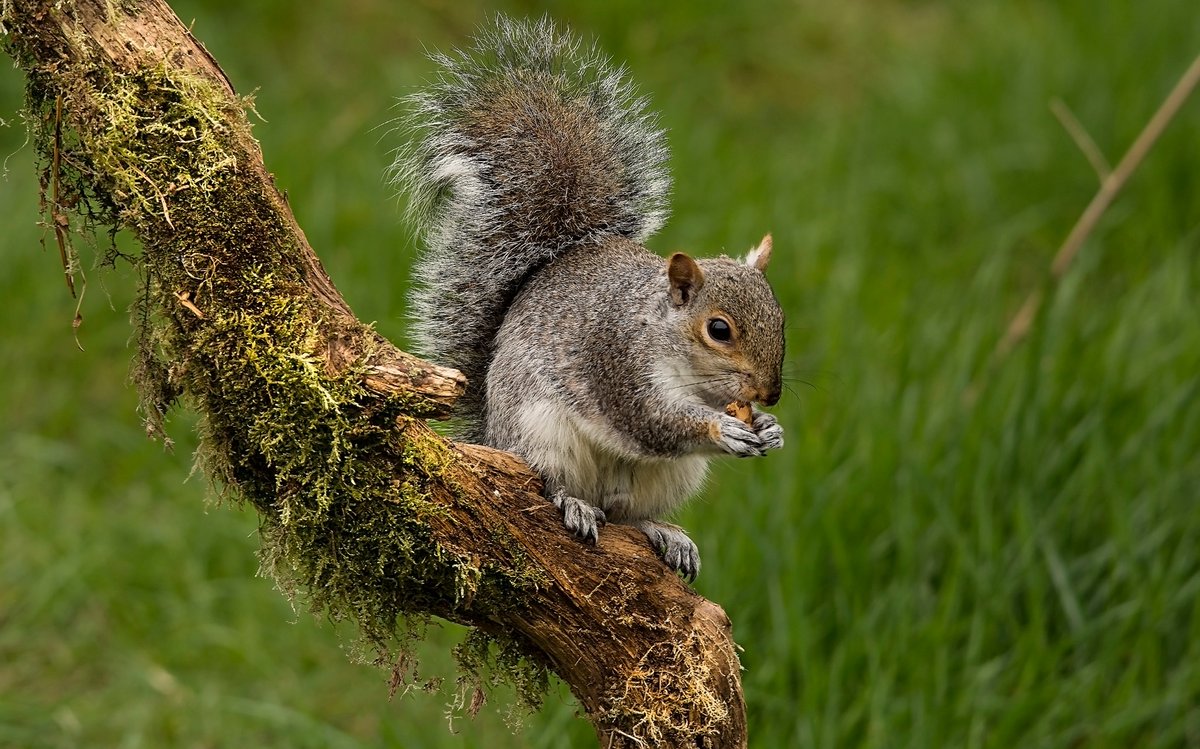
185	298
1110	185
1082	139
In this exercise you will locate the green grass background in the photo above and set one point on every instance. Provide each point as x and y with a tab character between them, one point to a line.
908	572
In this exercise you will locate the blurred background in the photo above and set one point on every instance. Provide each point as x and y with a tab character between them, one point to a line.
913	570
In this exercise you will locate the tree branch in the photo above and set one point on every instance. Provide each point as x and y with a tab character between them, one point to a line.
317	420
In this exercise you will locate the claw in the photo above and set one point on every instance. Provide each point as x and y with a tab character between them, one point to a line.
735	438
581	518
767	427
677	550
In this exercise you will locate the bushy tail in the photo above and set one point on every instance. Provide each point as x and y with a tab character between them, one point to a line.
527	145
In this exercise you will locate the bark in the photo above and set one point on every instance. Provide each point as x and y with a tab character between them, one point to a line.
234	289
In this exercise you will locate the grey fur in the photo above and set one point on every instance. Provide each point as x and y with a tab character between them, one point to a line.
528	144
538	174
587	343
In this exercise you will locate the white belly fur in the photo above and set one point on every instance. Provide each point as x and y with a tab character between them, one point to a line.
627	485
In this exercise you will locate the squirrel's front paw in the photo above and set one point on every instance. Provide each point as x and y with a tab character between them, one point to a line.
735	438
673	545
766	426
581	518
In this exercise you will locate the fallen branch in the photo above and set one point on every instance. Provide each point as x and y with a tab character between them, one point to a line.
317	421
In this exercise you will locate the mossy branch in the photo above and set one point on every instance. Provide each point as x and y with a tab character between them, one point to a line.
318	421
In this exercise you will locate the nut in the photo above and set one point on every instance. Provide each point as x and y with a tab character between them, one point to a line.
740	410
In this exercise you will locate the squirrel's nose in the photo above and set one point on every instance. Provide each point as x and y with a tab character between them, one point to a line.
762	390
768	395
772	389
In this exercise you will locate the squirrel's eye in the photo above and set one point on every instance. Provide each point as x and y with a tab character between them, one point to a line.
719	329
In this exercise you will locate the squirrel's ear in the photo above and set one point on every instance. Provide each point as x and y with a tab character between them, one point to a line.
761	255
686	278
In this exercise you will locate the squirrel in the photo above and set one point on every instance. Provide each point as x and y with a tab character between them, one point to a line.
535	174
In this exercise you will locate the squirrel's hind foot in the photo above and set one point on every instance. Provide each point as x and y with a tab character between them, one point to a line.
581	518
674	546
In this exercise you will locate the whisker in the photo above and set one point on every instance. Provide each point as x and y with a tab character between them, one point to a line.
683	385
706	376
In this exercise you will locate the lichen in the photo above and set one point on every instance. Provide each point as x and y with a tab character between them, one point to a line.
226	323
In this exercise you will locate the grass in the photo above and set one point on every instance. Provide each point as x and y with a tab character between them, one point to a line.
910	571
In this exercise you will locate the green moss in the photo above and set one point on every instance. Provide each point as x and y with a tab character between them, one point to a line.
484	658
226	322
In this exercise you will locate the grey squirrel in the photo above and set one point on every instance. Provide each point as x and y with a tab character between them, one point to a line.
535	175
